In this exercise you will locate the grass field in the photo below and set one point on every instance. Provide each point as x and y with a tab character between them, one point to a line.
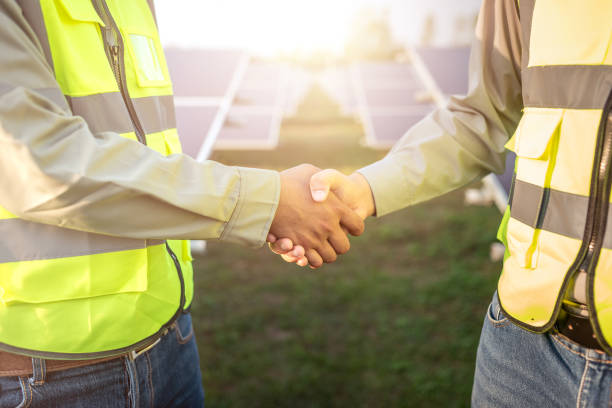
394	323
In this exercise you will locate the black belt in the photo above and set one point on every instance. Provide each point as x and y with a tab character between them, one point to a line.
579	330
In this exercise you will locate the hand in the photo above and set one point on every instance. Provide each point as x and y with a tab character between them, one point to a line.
353	190
319	227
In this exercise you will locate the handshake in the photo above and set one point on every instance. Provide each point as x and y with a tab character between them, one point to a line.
316	211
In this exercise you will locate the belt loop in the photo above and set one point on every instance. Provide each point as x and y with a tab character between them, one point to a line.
39	371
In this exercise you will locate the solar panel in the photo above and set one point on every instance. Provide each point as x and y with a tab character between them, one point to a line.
202	73
205	83
253	121
391	99
449	67
299	82
387	127
249	130
394	75
192	123
336	82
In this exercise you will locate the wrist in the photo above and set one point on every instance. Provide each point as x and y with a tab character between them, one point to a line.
366	198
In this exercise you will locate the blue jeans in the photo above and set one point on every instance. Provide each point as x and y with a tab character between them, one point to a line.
168	375
517	368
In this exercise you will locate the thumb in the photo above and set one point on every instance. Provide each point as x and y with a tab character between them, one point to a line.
324	181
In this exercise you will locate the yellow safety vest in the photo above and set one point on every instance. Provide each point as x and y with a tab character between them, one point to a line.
558	220
68	294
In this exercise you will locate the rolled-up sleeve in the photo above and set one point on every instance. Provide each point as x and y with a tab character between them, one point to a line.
465	140
56	171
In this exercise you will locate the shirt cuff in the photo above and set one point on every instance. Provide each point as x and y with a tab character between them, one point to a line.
255	207
388	185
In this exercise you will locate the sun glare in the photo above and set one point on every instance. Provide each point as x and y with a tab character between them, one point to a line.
272	27
265	27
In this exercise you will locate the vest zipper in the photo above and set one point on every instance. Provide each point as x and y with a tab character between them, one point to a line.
597	213
115	51
180	275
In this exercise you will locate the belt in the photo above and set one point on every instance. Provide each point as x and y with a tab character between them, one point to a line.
17	365
579	330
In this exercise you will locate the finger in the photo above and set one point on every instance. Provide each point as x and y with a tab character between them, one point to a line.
299	261
352	222
290	258
340	242
271	238
298	251
314	259
296	256
281	246
274	248
324	181
326	251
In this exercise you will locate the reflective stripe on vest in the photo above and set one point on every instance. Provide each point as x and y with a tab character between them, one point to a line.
72	294
567	81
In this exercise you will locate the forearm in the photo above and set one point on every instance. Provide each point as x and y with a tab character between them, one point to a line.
57	172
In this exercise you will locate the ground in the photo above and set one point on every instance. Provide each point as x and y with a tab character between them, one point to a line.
394	323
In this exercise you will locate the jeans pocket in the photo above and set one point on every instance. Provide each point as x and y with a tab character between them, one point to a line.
15	392
495	313
184	329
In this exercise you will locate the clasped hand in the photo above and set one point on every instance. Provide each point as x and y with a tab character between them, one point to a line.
316	211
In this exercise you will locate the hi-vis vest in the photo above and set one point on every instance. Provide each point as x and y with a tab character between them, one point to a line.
559	222
69	294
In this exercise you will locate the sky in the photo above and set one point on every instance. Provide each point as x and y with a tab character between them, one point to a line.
269	27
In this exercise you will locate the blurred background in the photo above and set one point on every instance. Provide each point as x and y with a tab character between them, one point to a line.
275	83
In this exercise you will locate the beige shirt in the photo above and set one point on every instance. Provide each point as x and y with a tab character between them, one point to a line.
465	140
55	170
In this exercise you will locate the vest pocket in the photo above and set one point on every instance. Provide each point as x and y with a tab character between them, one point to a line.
80	62
81	10
535	143
146	57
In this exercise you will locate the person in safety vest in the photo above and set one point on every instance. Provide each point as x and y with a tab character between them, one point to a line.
540	85
96	202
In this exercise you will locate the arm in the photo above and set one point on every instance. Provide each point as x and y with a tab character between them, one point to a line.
56	171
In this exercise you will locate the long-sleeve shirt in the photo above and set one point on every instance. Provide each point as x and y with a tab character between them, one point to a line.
55	170
465	140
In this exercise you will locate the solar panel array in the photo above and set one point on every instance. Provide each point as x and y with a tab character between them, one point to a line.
228	101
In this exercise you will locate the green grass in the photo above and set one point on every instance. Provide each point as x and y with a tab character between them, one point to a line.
394	323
